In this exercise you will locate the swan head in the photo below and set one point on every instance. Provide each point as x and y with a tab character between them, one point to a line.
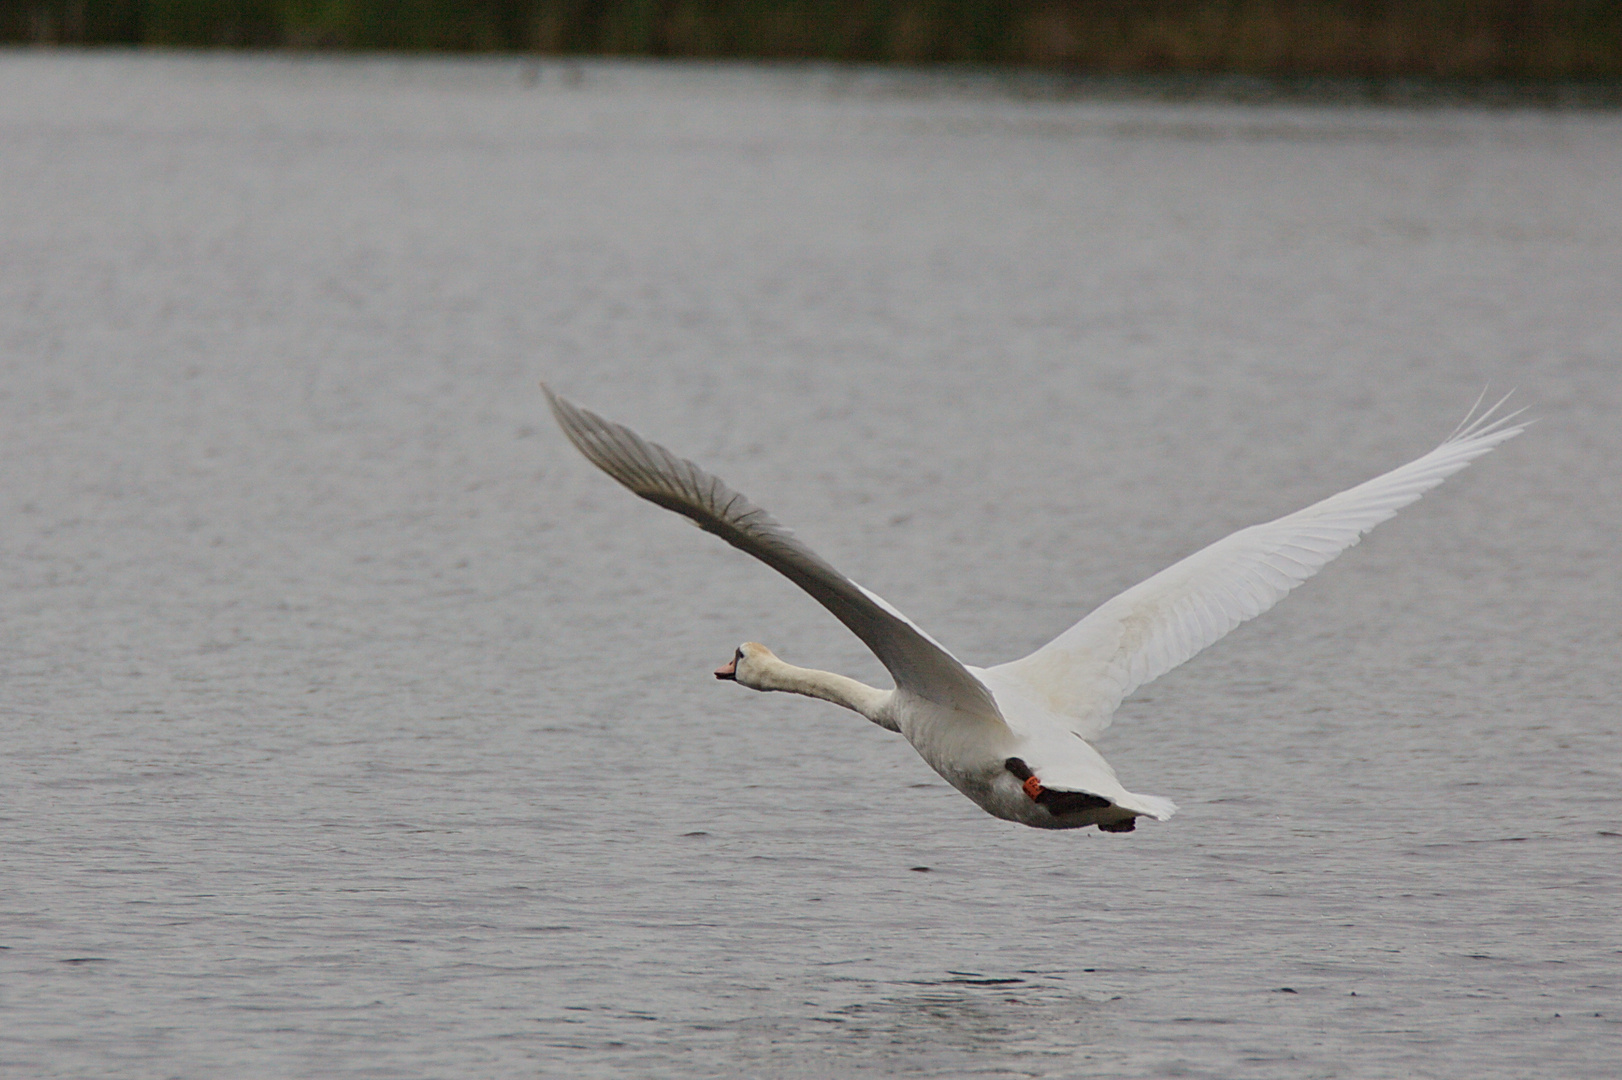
749	665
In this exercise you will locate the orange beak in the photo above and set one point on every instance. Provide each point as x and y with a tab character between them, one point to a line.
728	670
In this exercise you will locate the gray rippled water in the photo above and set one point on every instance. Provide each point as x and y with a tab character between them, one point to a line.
351	725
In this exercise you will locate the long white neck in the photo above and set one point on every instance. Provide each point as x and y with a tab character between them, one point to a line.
856	696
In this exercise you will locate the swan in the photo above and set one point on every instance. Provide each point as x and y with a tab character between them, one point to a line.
1014	738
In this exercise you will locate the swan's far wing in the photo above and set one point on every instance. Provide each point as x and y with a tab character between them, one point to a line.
1084	673
918	663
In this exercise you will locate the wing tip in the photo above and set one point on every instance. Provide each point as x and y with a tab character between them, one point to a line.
559	404
645	468
1486	428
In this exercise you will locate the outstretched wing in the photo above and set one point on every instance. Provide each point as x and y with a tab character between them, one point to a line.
1084	673
918	663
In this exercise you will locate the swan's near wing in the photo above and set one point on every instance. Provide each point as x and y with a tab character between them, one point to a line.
1084	673
918	663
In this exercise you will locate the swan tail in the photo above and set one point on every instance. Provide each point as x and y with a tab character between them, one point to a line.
1148	805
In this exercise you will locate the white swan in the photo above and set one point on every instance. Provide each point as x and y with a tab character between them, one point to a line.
1013	737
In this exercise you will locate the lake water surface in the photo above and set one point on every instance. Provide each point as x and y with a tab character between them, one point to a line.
352	725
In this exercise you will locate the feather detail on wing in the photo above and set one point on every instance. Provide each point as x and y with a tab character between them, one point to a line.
917	662
1083	674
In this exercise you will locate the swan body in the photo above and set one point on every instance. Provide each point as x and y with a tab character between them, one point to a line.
1014	737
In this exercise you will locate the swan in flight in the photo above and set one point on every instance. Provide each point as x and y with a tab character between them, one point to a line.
1013	738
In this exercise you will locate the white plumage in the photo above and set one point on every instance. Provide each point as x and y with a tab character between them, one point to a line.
1013	737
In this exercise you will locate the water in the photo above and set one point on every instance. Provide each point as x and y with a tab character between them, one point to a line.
354	726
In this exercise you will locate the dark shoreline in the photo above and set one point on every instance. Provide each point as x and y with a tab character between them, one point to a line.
1480	50
1021	83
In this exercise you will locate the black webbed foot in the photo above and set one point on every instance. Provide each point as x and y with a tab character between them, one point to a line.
1060	803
